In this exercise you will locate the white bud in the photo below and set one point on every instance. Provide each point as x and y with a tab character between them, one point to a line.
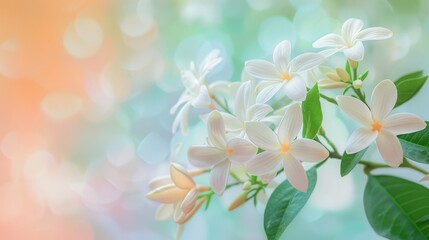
357	84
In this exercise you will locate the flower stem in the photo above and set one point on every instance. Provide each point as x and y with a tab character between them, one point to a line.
331	100
221	105
407	164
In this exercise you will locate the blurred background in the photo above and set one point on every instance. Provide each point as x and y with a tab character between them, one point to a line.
85	92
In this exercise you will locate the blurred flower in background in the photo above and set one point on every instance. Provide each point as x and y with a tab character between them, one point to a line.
85	92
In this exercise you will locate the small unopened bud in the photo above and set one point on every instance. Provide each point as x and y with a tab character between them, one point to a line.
333	76
342	74
357	84
246	185
240	200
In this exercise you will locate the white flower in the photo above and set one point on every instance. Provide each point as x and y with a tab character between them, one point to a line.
425	178
377	125
177	194
246	110
283	147
350	41
283	73
196	93
220	152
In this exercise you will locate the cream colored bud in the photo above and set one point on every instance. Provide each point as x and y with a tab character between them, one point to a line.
240	200
328	83
333	76
342	74
357	84
246	185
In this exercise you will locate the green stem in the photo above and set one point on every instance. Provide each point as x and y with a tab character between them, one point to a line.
407	164
331	100
218	102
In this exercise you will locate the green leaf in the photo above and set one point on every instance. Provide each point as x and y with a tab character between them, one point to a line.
408	86
349	161
363	76
416	145
284	204
397	208
312	113
416	74
348	69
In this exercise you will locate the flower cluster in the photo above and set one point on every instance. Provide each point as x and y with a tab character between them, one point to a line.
258	131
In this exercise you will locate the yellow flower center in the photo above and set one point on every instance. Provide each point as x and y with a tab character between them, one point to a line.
376	126
286	77
229	151
284	148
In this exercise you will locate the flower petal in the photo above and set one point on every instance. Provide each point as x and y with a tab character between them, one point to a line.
258	112
360	139
267	178
185	217
296	89
262	69
159	182
383	99
355	109
262	136
189	201
216	130
181	177
402	123
281	56
374	33
356	52
291	124
232	124
185	97
305	62
219	177
350	29
182	119
164	212
295	173
264	163
269	91
205	156
390	149
167	194
189	80
210	61
424	179
243	99
203	99
329	40
308	150
242	150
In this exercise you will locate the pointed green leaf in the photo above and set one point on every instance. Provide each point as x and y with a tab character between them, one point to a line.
416	145
397	208
415	74
363	76
284	204
349	161
312	113
408	86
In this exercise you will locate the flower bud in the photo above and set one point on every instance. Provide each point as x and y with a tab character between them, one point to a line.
333	76
246	185
240	200
357	84
342	74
